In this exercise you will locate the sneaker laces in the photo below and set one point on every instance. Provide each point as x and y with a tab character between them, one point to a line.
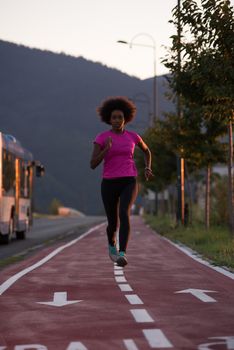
122	254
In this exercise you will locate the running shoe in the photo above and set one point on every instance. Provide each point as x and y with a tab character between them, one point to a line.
122	260
113	254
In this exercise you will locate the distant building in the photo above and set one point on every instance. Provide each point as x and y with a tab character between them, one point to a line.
220	169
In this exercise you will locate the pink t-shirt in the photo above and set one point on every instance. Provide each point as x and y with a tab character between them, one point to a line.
118	161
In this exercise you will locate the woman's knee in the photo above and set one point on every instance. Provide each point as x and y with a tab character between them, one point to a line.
124	214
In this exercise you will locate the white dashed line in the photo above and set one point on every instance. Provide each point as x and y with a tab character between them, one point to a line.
130	344
120	279
125	287
141	316
118	272
134	299
156	339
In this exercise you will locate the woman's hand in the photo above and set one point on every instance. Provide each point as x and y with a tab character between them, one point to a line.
108	143
99	153
147	154
148	173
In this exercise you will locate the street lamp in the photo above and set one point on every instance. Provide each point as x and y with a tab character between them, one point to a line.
152	46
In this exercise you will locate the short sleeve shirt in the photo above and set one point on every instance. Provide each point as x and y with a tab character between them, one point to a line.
119	161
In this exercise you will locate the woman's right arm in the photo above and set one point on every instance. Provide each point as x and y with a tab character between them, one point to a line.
99	154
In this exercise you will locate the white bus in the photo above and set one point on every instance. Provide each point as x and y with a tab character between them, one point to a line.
17	168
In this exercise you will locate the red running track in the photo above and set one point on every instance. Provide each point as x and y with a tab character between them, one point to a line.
135	308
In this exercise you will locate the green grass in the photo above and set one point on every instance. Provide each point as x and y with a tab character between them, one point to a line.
214	244
45	216
11	260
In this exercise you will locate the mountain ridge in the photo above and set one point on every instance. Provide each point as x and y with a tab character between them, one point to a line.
48	101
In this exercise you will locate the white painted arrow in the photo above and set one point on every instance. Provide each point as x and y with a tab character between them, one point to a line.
228	341
200	294
60	299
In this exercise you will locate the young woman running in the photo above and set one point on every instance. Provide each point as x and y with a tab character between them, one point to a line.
119	185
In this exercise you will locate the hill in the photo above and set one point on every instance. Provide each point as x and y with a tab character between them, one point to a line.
48	101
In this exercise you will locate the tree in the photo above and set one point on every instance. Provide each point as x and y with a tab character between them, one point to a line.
198	143
54	206
206	75
164	160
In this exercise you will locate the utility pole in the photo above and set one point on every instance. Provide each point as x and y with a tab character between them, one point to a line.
180	160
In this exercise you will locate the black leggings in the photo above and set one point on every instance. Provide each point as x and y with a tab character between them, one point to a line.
118	196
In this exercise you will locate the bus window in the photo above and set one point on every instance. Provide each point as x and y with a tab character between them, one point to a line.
27	181
24	180
8	169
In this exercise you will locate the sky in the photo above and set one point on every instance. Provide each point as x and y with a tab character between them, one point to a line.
91	29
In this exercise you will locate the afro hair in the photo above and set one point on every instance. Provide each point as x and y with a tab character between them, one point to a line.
116	103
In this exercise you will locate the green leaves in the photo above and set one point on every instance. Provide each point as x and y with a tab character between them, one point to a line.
206	44
201	81
203	78
164	159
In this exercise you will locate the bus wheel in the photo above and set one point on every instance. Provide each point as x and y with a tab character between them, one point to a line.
4	239
20	235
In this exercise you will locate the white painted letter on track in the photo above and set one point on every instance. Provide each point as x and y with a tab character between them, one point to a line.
31	347
227	341
76	345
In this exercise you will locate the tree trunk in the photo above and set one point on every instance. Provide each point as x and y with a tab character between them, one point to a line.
174	202
230	180
207	205
190	194
162	202
182	191
156	201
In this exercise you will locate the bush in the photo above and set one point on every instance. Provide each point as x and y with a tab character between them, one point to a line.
54	206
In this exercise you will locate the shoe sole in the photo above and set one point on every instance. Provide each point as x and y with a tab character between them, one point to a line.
121	261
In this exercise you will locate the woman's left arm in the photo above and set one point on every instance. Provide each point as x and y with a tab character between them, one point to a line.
147	155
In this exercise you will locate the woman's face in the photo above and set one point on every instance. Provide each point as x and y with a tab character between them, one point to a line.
117	120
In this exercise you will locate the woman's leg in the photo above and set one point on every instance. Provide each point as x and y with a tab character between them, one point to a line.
127	197
110	200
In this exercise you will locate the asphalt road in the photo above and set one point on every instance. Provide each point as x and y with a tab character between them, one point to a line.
46	231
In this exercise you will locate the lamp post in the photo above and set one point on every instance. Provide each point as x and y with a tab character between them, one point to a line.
152	46
144	98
